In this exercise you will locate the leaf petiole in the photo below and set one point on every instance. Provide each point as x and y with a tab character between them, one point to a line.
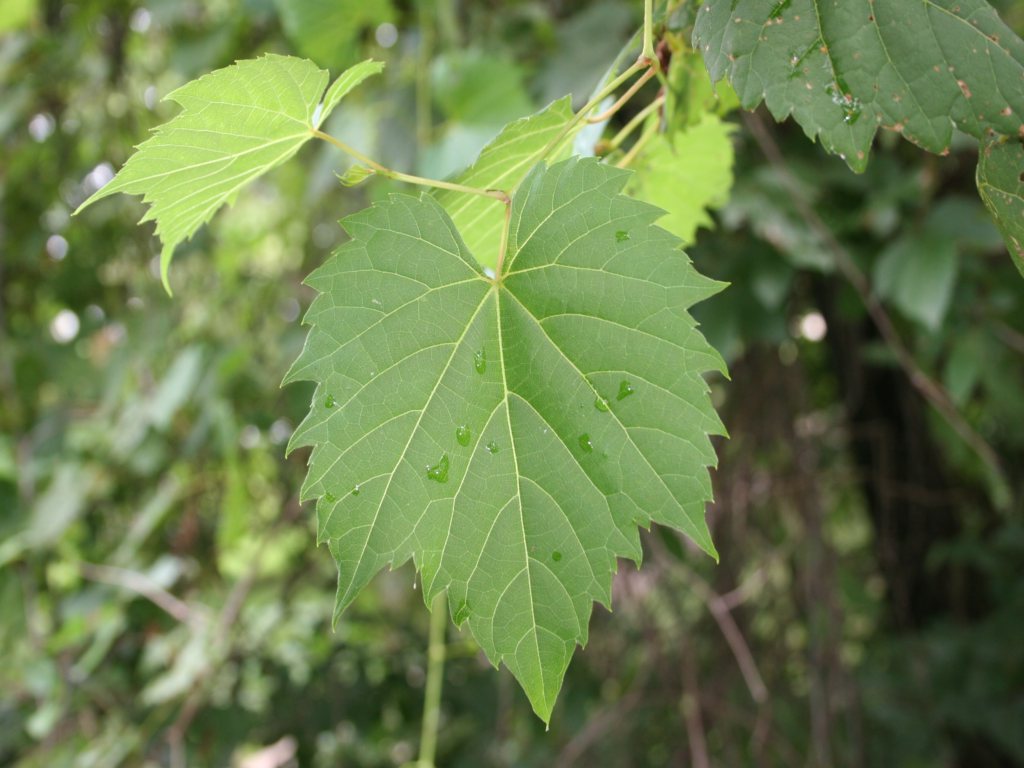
645	137
624	98
408	178
648	49
631	126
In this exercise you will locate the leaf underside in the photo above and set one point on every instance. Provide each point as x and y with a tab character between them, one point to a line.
236	124
509	436
844	68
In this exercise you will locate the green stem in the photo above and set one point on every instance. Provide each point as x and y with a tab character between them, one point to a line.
408	178
638	146
587	108
631	126
435	677
503	249
608	113
648	51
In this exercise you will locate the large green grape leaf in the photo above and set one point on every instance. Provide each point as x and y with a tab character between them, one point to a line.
509	435
502	164
236	124
844	68
1001	184
686	173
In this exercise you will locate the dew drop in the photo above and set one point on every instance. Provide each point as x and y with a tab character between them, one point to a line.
492	447
585	443
621	236
461	613
556	555
463	435
330	402
480	361
601	403
439	472
625	390
330	498
355	490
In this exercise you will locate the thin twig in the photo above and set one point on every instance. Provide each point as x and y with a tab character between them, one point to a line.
142	585
928	387
691	711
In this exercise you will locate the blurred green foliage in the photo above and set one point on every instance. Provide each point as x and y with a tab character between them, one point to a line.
162	600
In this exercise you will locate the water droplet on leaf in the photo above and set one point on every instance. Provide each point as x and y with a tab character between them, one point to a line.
463	435
621	236
492	447
625	390
480	361
601	403
439	472
355	490
585	443
461	613
330	498
330	402
556	555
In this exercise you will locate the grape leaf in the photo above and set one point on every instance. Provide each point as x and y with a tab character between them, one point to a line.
326	31
842	69
1001	185
686	173
502	164
236	124
509	435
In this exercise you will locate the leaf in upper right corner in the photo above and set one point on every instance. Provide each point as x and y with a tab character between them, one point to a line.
1001	185
687	173
842	69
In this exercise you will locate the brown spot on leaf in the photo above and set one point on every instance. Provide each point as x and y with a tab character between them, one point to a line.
964	89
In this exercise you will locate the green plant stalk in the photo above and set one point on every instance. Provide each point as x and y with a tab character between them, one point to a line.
648	49
632	125
625	97
408	178
638	146
580	116
435	678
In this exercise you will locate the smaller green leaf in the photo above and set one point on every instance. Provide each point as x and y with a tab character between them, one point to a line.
687	173
355	175
236	124
1001	185
346	81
